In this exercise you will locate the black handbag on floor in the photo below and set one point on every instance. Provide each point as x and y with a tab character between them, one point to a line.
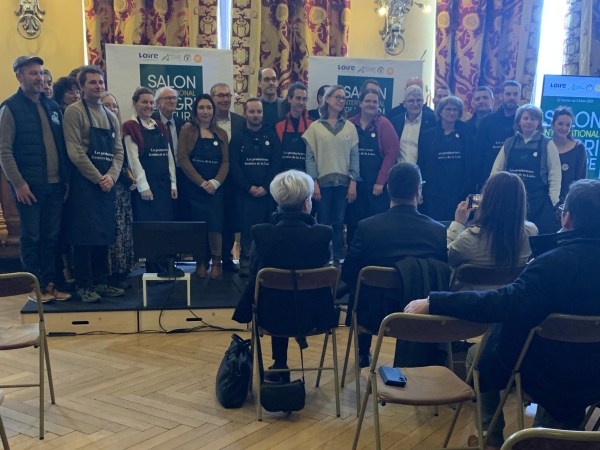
283	397
235	372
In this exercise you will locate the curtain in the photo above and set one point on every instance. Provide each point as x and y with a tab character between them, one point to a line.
486	42
581	53
141	22
282	34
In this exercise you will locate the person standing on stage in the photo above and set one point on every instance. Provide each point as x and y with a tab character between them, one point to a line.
165	99
34	160
445	160
378	149
93	138
441	92
534	158
273	109
231	123
151	161
255	159
482	102
204	158
494	129
332	161
313	114
291	128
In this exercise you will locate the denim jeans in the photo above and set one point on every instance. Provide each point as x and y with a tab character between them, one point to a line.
332	210
40	228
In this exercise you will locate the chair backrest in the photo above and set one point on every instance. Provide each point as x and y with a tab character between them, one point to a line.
546	439
430	329
19	283
470	274
379	277
306	279
568	328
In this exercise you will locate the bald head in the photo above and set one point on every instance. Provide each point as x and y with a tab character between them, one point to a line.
415	81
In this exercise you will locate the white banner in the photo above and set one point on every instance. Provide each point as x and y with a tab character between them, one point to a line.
352	72
190	71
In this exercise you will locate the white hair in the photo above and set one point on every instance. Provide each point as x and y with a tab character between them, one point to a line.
159	92
413	90
290	189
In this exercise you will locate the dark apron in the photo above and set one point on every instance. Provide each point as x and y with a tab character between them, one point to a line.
450	171
294	149
206	159
155	161
370	160
526	163
90	210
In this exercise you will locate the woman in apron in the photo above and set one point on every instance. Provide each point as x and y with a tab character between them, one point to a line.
378	150
151	161
446	161
534	158
204	158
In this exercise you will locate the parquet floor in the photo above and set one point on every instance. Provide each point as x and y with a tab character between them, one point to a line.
156	391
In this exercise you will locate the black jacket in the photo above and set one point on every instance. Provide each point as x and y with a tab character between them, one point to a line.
179	122
400	110
29	150
292	241
428	121
237	122
270	148
562	377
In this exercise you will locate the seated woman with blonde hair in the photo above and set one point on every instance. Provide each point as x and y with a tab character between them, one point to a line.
499	234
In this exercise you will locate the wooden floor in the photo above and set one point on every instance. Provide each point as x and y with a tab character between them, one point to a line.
157	391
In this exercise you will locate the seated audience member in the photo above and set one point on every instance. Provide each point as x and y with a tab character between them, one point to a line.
441	92
446	161
561	377
533	157
572	153
385	239
482	102
378	150
498	235
410	125
292	241
313	114
367	84
400	110
66	92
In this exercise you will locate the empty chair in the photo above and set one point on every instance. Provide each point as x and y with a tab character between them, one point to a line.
546	439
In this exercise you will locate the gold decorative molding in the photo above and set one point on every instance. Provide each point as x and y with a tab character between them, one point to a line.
30	20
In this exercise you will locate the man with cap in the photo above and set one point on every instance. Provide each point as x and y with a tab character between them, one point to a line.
34	160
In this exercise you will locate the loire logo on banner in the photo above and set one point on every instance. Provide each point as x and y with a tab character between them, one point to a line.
187	80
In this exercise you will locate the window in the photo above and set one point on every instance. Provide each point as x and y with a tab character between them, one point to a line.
224	24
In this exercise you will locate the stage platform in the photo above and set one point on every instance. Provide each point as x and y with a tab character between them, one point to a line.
212	301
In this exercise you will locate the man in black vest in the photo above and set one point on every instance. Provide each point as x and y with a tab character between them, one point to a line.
494	129
34	160
254	160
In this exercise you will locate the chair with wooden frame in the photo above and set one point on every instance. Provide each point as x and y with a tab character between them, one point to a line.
556	327
546	439
2	430
425	386
27	335
325	277
374	276
483	276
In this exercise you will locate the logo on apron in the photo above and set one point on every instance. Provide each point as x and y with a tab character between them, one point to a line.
535	154
564	167
55	118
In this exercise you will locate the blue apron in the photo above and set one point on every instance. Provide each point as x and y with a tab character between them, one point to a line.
451	173
155	161
294	149
206	158
90	210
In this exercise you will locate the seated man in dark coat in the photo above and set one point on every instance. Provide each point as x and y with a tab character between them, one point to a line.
292	241
385	239
561	377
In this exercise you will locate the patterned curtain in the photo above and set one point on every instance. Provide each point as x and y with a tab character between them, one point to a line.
486	42
282	34
581	53
141	22
207	24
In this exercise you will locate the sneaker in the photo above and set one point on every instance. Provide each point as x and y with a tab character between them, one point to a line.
106	290
88	295
364	360
45	297
58	295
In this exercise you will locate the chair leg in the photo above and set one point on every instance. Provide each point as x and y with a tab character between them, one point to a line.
49	370
373	377
478	422
42	376
356	370
505	394
347	357
336	380
3	436
436	411
452	425
361	416
520	418
322	359
256	372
